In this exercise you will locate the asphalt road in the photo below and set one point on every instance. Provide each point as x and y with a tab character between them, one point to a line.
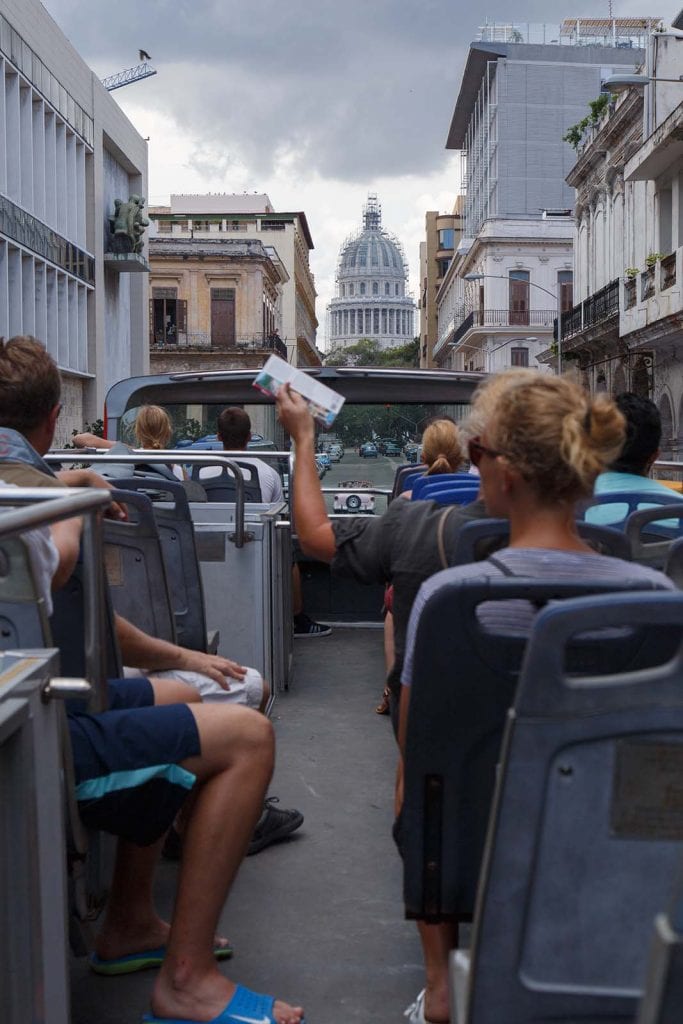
379	472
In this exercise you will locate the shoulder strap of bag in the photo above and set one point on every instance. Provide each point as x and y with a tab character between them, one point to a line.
445	564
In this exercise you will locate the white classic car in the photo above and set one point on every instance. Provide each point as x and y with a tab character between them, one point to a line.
361	502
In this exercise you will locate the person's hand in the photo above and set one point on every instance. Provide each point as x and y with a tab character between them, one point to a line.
89	478
294	415
215	666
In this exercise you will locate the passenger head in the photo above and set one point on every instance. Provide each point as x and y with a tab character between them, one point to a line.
30	387
549	432
234	428
153	428
643	434
442	450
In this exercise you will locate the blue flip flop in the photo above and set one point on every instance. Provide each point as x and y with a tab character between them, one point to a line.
245	1007
143	961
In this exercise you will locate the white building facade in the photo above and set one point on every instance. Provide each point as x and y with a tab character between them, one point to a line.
626	333
66	153
372	299
522	88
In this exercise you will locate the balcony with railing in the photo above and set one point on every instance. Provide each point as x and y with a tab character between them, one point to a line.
480	322
594	310
201	342
653	294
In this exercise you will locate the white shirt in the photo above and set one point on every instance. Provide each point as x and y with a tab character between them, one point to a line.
44	556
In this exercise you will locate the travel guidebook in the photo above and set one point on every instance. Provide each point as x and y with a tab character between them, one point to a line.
323	402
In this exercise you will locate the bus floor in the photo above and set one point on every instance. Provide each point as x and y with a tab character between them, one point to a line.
317	919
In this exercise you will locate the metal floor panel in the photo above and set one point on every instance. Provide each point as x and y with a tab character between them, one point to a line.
318	919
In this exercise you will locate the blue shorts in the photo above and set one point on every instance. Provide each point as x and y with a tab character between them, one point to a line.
129	780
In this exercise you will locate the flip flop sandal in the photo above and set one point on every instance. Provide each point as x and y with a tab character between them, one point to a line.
144	960
245	1007
416	1011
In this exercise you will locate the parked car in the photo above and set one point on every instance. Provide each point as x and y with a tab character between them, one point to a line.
361	502
336	452
324	459
368	450
412	452
322	466
391	448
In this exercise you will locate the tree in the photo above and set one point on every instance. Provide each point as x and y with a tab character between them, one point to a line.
368	352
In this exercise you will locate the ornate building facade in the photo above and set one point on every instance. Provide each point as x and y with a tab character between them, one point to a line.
372	299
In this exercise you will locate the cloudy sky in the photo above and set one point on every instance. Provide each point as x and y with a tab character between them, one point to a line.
316	102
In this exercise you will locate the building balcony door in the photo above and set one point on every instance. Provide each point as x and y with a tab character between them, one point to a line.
519	297
222	317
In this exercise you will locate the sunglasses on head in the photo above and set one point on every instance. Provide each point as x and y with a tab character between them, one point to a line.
477	450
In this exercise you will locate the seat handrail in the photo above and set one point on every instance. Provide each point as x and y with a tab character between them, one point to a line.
169	456
52	505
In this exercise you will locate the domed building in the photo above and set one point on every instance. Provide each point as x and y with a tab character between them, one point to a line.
372	300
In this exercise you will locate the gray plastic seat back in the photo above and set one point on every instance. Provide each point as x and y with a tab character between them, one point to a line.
23	616
222	486
68	634
653	531
136	570
674	563
173	518
464	681
480	538
585	837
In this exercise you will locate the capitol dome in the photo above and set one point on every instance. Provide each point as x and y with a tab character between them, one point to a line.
372	299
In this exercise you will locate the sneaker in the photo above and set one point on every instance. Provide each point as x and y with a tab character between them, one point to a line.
273	825
305	627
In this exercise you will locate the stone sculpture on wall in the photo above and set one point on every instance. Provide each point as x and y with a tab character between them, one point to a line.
127	225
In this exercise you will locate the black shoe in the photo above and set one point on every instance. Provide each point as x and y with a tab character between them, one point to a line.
306	627
273	825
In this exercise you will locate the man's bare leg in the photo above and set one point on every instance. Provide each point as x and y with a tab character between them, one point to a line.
437	941
233	772
131	923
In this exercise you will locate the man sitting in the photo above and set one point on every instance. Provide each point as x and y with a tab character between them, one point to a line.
631	471
30	388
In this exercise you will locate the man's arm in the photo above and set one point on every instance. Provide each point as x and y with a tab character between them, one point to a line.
89	478
66	537
86	440
313	527
152	655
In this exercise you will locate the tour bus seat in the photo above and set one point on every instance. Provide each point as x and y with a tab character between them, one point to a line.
23	616
173	519
652	532
222	487
136	570
585	835
457	493
404	478
480	538
624	502
425	483
674	563
464	680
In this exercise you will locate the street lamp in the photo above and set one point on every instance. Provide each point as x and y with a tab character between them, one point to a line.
501	277
617	82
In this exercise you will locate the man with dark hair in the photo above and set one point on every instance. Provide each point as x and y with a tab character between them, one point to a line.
631	471
234	430
136	764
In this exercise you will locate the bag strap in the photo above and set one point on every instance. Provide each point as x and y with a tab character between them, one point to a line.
505	569
445	564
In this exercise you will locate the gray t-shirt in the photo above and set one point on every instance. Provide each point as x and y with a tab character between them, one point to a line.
515	618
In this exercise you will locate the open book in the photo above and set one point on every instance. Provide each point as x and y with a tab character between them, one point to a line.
323	402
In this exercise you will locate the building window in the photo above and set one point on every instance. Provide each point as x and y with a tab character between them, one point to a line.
164	227
362	287
351	289
442	267
519	357
222	317
565	289
519	297
375	288
387	288
396	291
167	316
375	321
446	238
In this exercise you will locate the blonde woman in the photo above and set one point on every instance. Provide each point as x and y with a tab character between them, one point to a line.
540	442
153	432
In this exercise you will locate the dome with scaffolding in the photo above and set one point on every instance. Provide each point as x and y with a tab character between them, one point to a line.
372	299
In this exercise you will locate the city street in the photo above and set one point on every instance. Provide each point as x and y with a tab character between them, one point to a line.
379	472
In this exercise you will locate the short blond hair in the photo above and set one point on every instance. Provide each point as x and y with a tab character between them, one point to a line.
553	433
153	427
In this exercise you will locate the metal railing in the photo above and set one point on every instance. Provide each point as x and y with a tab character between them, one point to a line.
203	342
593	310
49	505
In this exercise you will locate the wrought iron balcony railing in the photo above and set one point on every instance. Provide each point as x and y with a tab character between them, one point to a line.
593	310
